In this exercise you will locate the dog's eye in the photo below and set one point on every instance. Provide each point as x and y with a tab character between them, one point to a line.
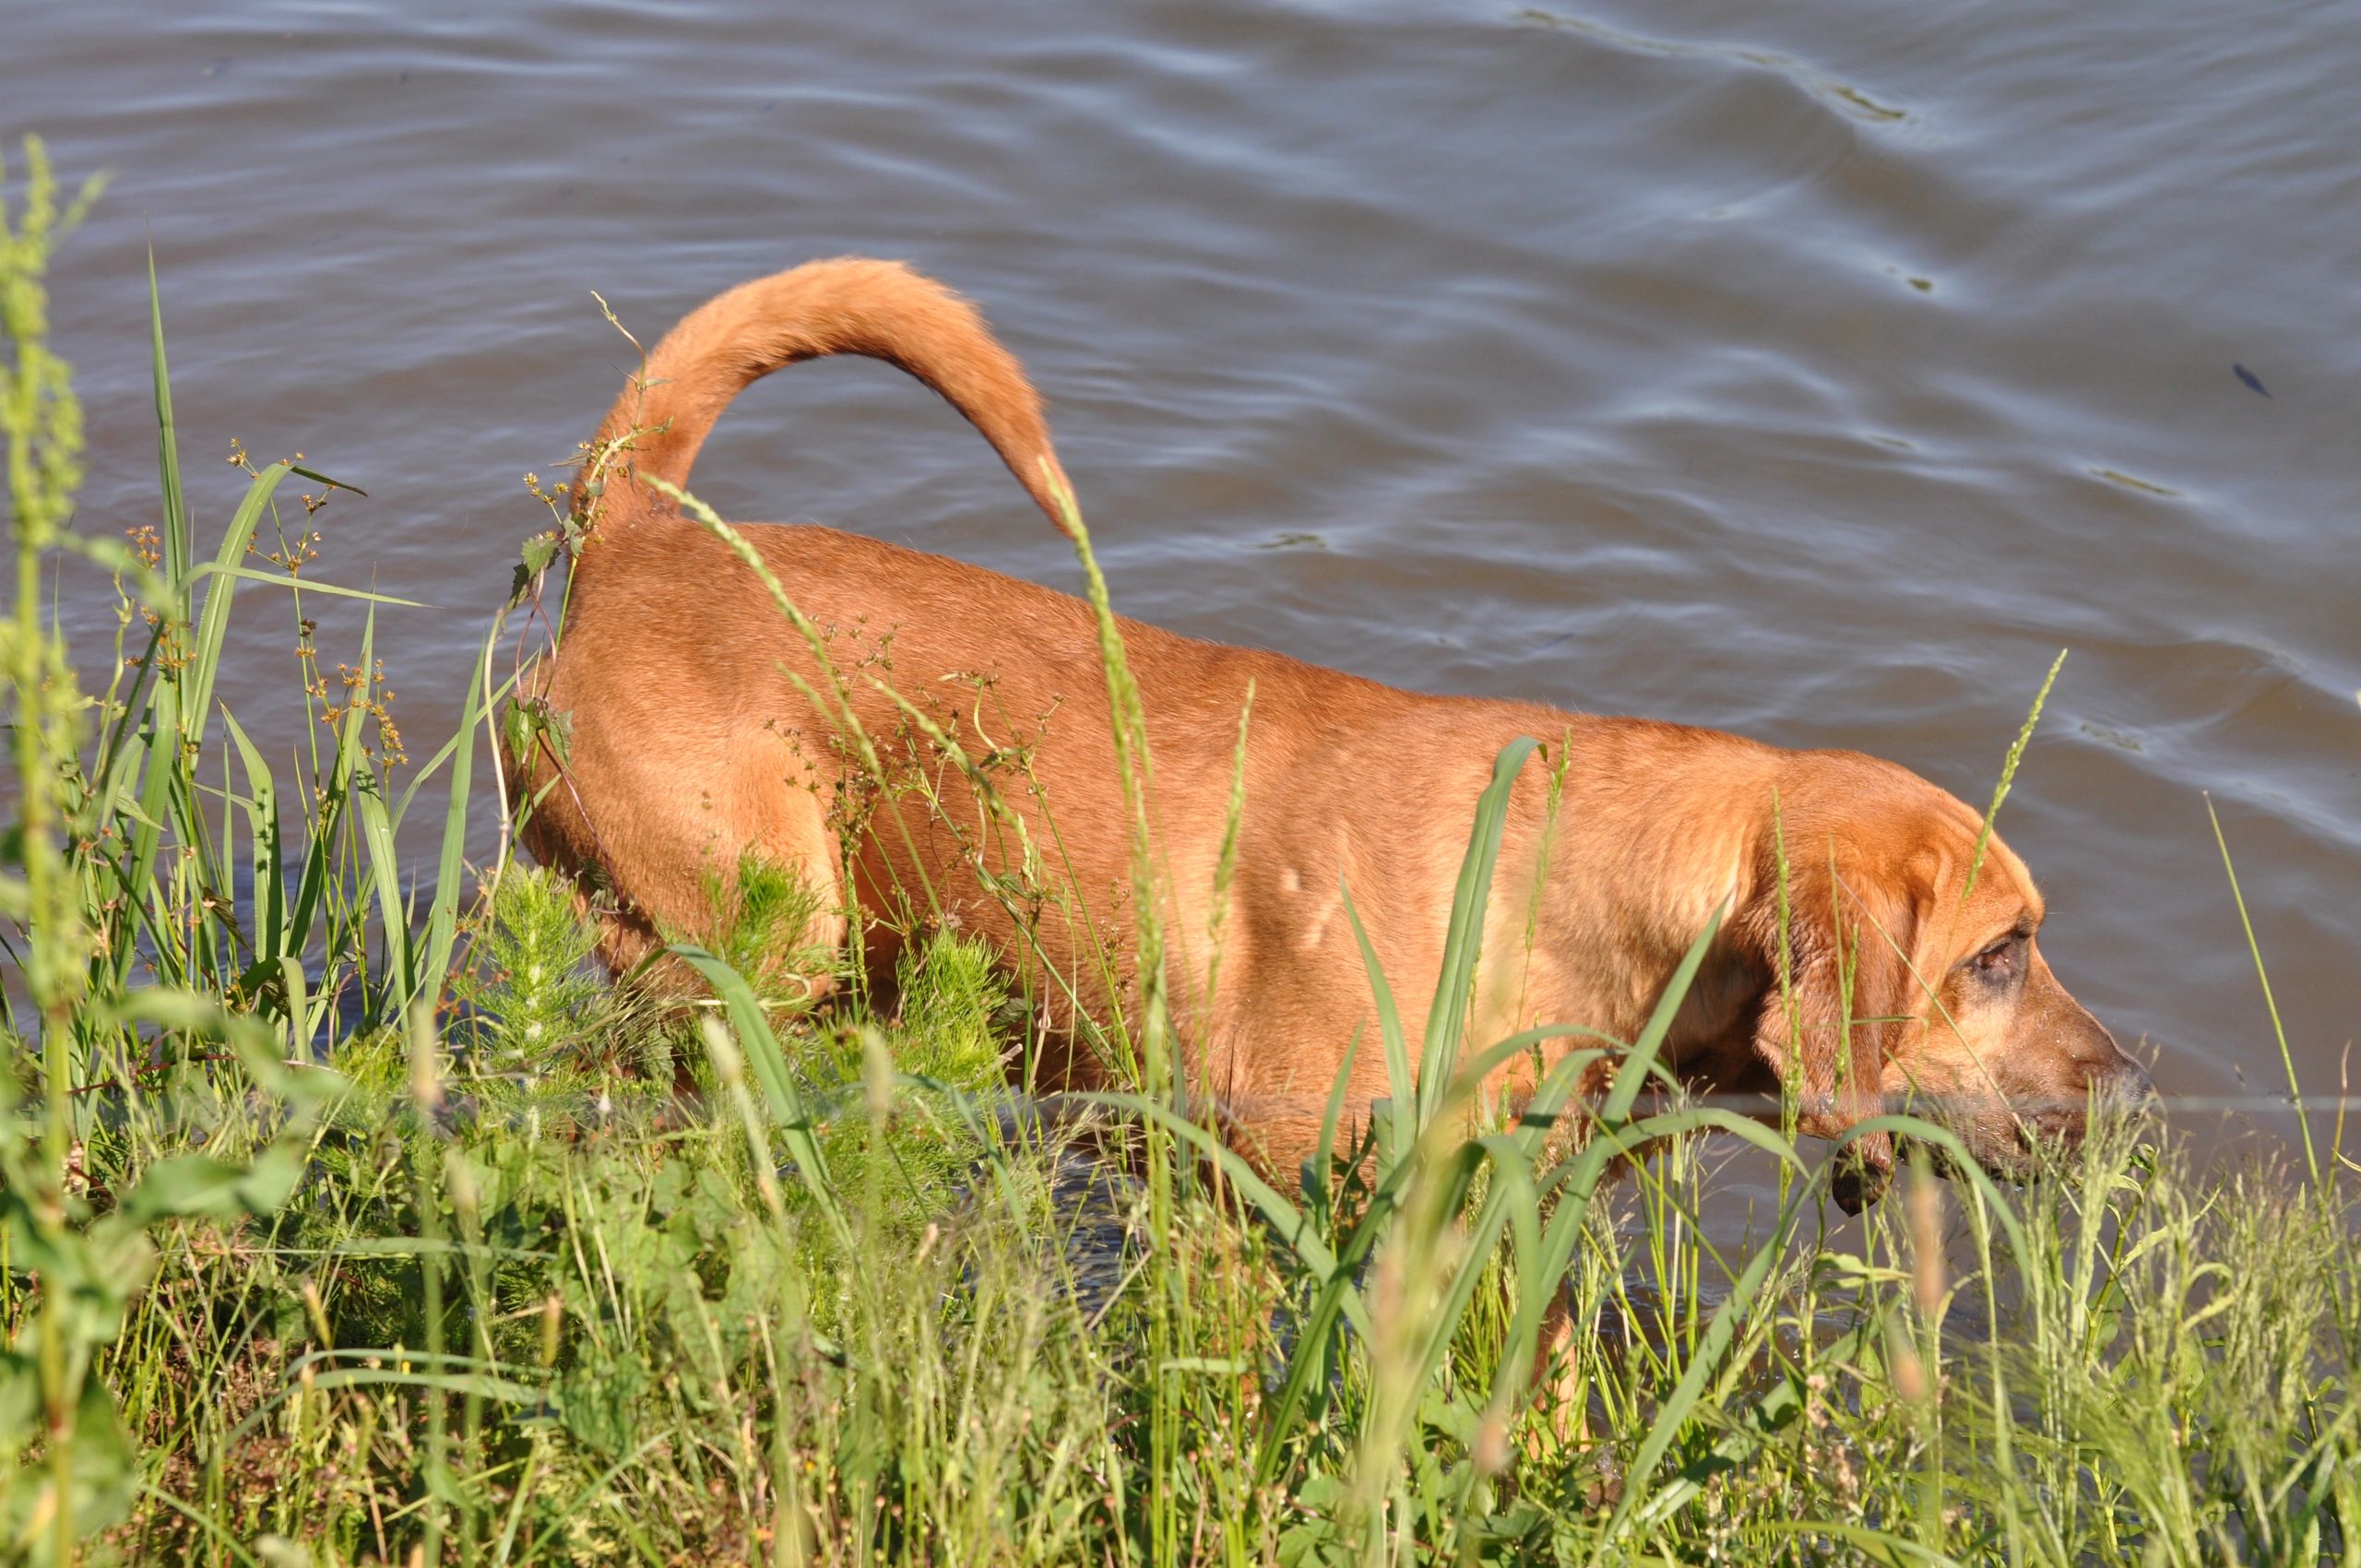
1999	960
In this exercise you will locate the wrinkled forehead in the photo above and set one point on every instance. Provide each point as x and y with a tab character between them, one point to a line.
1915	839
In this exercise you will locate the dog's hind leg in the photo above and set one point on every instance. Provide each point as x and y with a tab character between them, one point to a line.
723	846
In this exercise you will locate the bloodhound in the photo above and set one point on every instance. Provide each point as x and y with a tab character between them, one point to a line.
931	745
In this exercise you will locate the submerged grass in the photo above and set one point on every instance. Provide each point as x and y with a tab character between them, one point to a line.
350	1220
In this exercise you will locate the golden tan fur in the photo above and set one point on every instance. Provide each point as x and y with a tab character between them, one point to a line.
694	743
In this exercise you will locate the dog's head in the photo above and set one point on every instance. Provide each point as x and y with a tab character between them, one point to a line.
1914	973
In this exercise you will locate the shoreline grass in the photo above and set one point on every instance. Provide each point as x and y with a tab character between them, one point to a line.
348	1216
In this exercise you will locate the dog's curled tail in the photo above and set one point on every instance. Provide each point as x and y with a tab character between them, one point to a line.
849	306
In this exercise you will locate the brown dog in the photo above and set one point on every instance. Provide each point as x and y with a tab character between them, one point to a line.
705	729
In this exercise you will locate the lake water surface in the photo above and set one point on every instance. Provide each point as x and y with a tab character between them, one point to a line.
1816	372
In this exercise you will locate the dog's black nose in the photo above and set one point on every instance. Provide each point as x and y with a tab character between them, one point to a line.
1857	1183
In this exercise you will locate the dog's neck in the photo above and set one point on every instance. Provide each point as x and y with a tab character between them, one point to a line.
1628	878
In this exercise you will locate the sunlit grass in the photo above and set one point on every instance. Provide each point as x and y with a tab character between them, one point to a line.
351	1215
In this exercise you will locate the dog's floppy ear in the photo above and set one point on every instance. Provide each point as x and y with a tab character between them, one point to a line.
1841	1007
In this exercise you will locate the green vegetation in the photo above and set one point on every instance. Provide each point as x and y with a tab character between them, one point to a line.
349	1218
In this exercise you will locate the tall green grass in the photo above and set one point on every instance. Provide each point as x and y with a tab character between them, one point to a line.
347	1214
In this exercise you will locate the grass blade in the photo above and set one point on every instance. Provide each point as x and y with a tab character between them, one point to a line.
443	914
386	873
761	1048
1401	1086
213	621
2278	1030
1632	1075
268	915
168	452
2009	773
161	748
303	584
1464	943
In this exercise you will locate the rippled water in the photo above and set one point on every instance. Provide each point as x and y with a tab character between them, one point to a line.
1815	373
